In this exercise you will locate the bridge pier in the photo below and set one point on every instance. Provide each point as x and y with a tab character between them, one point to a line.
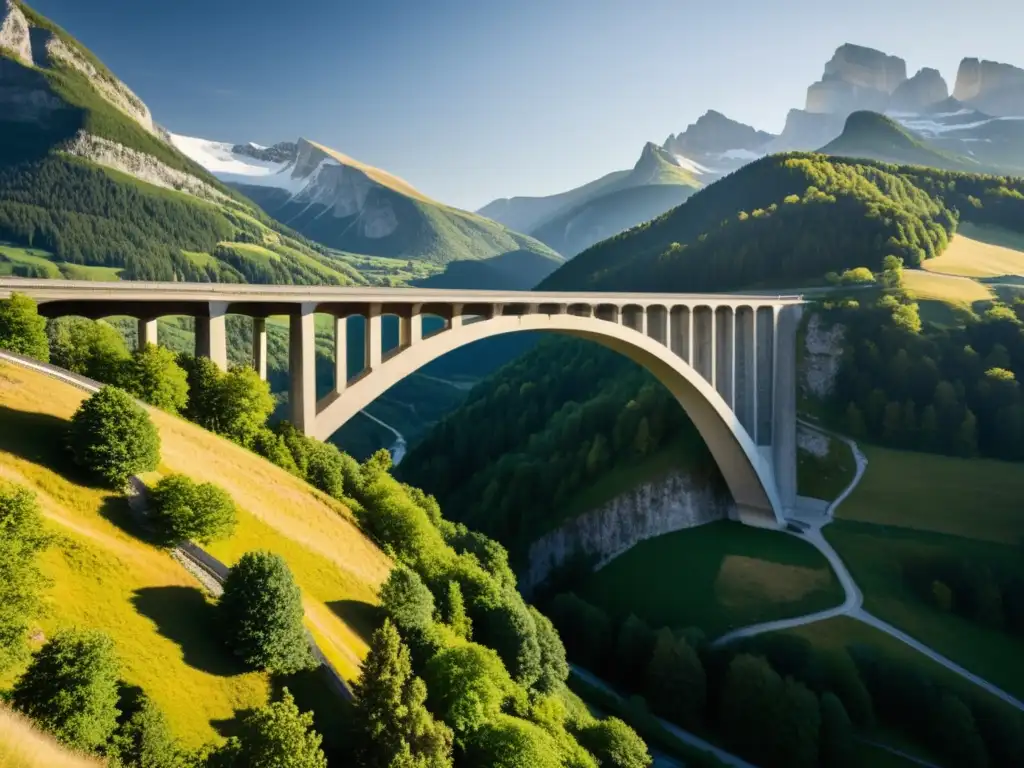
212	334
340	353
147	333
787	320
302	367
259	346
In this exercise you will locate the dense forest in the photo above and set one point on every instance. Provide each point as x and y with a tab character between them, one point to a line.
557	419
786	219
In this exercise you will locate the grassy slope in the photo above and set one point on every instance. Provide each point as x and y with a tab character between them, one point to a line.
23	746
718	577
911	505
978	251
105	577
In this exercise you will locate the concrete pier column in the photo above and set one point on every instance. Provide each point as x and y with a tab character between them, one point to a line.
456	317
703	346
784	432
212	334
410	327
373	338
147	332
657	324
302	367
259	346
679	332
764	364
340	353
609	312
724	351
745	376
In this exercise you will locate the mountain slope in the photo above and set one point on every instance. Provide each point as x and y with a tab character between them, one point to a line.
659	181
789	218
356	208
87	178
876	137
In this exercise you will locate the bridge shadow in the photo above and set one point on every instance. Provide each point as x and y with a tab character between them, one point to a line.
363	618
185	616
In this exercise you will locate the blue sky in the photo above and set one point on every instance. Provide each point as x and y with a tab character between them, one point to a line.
472	100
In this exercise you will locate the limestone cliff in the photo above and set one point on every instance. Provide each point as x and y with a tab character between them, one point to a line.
992	87
923	90
14	32
821	356
140	165
672	503
856	78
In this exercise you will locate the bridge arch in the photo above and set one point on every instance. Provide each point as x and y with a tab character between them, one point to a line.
748	474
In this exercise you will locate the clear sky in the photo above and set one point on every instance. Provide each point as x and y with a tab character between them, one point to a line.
470	100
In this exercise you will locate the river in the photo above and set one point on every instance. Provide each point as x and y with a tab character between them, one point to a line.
399	447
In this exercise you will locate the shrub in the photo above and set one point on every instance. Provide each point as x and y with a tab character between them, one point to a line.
837	748
261	609
275	736
554	669
184	510
70	688
407	600
113	438
143	738
21	582
615	744
22	330
468	685
508	742
91	348
154	375
676	682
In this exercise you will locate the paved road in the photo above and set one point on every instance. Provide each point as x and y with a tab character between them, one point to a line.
400	447
853	604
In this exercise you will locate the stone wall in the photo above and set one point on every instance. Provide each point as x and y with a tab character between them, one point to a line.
671	503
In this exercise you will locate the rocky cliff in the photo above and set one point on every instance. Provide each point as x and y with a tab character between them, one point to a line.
714	133
920	92
856	78
43	47
992	87
672	503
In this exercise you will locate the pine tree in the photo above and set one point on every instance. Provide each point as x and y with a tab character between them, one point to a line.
676	682
455	612
392	725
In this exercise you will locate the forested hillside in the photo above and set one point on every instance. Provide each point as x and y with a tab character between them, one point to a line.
787	219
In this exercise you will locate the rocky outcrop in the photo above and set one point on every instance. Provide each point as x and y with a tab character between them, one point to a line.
48	49
14	32
822	355
674	502
714	133
282	152
345	190
140	165
866	68
920	92
992	87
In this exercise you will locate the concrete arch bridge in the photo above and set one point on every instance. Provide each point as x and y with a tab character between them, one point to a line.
730	360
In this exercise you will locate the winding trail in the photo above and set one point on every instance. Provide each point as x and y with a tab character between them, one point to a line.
400	447
853	605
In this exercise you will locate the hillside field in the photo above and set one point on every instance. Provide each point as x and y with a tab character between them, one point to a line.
105	577
22	745
717	577
914	507
981	251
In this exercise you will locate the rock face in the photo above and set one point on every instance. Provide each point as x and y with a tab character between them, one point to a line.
25	95
822	355
714	133
672	503
345	190
138	164
856	78
282	152
807	130
14	32
990	86
920	92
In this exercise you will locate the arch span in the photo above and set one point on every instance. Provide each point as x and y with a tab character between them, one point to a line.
748	474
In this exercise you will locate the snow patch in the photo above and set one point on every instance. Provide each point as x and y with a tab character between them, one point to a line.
691	165
739	154
217	157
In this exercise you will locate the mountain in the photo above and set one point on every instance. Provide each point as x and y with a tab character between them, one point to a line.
356	208
877	137
90	184
786	219
990	86
718	143
659	181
